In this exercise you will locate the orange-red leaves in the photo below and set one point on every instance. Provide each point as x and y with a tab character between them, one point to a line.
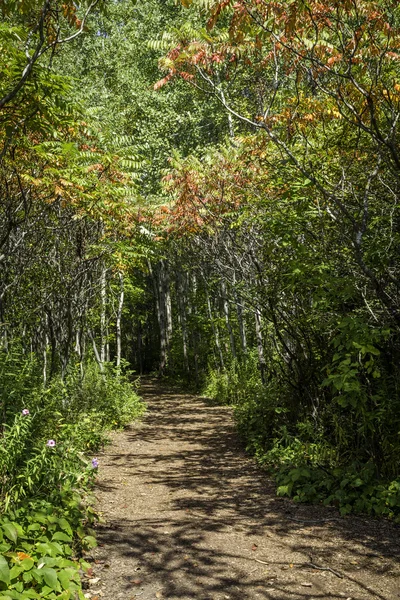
216	11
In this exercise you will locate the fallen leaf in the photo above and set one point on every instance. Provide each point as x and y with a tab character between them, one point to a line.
291	566
254	547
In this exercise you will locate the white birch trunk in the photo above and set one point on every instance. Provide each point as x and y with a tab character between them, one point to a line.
103	316
119	317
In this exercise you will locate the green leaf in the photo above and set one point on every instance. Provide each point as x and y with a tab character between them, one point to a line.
4	571
27	576
16	571
27	564
65	526
65	579
62	537
45	591
19	529
50	577
10	532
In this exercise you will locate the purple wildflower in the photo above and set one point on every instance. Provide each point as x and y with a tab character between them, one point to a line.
50	443
95	463
25	412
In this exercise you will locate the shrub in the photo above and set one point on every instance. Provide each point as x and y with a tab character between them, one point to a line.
46	478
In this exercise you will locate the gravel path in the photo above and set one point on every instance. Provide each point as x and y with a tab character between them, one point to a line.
188	515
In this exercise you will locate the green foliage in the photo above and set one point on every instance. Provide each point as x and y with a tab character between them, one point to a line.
352	489
75	413
45	475
40	545
257	408
314	460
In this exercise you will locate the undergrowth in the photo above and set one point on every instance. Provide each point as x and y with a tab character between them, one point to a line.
46	476
327	455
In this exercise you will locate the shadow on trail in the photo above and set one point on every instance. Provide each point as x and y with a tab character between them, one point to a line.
215	489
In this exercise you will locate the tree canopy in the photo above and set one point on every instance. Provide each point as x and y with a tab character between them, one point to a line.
209	190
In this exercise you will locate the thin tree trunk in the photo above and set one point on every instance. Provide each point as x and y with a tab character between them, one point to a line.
46	343
162	321
215	331
97	355
139	349
227	319
78	349
160	307
168	305
119	317
242	325
260	346
182	299
103	315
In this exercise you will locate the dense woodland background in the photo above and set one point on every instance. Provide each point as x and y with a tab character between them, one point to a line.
209	191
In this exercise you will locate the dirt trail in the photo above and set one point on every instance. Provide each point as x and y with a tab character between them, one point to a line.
188	515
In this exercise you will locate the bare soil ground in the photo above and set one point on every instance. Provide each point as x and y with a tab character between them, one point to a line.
189	515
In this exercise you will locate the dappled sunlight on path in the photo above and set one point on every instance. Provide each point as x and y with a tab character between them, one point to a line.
188	515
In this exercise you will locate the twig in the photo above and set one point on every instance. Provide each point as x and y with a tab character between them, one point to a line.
323	569
260	561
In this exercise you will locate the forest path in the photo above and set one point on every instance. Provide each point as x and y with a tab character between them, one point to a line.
188	515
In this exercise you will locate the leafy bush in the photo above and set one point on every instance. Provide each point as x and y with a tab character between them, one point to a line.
313	459
45	477
40	545
239	382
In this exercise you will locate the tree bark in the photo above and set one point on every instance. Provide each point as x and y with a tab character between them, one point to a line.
227	318
260	346
119	317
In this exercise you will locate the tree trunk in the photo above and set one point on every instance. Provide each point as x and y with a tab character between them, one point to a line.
103	315
242	325
162	320
227	319
215	331
182	300
260	346
119	317
97	355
